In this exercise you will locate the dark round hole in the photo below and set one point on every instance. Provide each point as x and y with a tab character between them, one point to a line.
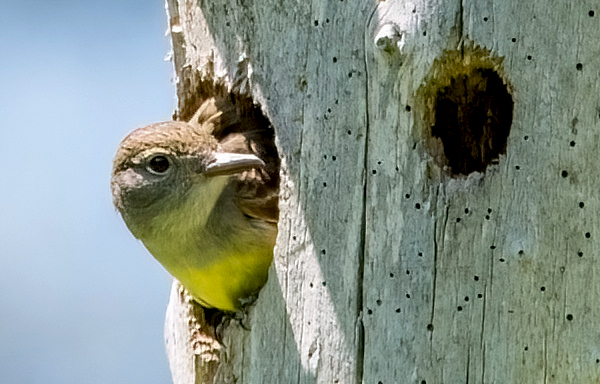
473	116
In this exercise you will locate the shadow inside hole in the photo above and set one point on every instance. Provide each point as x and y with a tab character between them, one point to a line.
473	115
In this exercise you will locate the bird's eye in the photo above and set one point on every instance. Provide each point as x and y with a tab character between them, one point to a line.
158	164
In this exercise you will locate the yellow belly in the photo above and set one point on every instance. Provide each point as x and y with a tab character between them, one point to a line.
226	281
220	262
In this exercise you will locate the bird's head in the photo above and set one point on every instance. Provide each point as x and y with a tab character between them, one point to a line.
159	167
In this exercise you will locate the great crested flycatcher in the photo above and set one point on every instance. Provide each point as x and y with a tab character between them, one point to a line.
202	197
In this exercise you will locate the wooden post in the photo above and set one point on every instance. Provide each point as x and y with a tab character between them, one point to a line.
439	209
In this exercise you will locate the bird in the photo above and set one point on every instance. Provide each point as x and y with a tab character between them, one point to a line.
202	196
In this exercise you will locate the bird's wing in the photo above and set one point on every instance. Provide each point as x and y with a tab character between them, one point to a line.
257	190
217	117
240	127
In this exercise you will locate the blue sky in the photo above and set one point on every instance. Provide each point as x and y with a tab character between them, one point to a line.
80	299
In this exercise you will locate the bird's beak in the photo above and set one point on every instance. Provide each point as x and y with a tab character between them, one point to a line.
230	163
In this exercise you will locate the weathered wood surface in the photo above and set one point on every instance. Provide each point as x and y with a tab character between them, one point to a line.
388	270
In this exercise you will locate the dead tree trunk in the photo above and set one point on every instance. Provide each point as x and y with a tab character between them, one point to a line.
439	190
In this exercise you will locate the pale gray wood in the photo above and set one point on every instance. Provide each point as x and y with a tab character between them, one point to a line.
192	347
365	287
515	332
306	324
